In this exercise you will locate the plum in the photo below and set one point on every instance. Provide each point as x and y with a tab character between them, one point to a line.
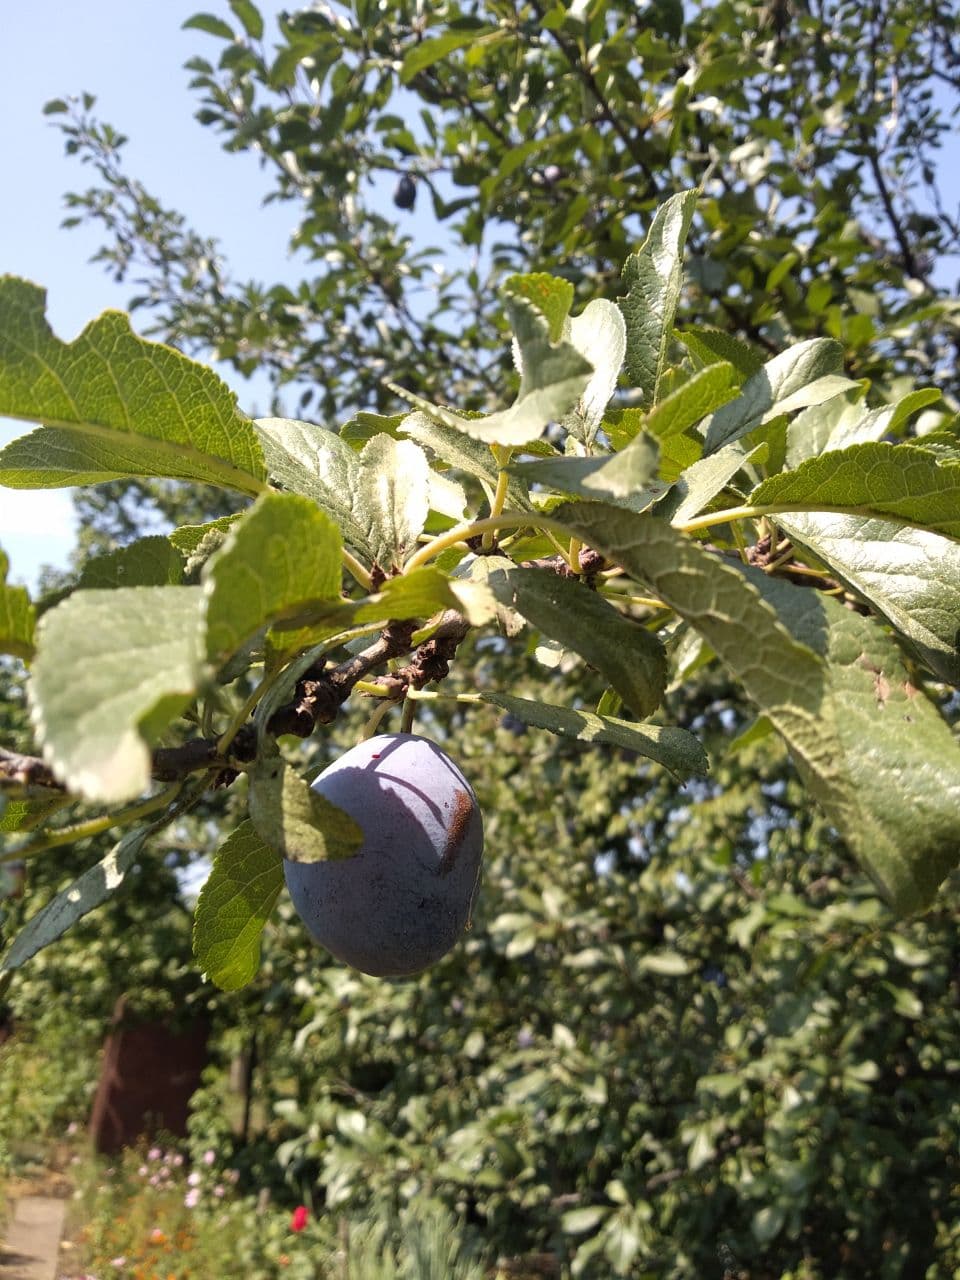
404	899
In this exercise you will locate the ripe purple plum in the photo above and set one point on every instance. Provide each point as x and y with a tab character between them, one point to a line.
404	899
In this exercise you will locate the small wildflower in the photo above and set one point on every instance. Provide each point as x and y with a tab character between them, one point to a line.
177	1160
142	1171
121	1261
219	1190
193	1179
192	1198
154	1153
299	1218
158	1236
72	1128
209	1157
283	1260
233	1175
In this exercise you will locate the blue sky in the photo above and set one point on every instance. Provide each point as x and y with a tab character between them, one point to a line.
130	55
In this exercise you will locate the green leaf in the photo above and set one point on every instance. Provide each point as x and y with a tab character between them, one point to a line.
808	373
85	894
880	479
553	376
701	482
392	498
470	456
116	404
281	560
874	752
113	668
627	476
551	295
600	335
670	964
910	576
212	25
427	52
317	464
706	391
654	277
676	749
296	821
204	538
148	562
26	813
713	346
426	591
233	907
576	1222
364	425
630	658
250	16
17	617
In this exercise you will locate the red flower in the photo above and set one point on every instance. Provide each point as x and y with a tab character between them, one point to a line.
299	1218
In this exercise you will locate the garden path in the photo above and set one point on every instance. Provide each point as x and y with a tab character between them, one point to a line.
31	1249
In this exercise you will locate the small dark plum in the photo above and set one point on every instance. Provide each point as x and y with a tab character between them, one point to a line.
405	898
405	195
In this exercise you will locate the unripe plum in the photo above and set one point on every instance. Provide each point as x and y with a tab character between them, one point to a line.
402	901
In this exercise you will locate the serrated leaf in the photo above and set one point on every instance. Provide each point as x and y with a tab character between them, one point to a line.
626	477
908	575
903	481
233	907
296	821
600	335
117	404
706	391
714	346
551	295
701	482
805	374
654	277
630	658
676	749
85	894
148	562
112	669
17	617
465	454
280	561
553	377
392	498
872	749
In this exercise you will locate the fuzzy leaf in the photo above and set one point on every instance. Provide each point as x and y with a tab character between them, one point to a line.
553	377
112	669
296	821
654	277
551	295
910	576
706	391
600	335
470	456
627	476
86	893
392	498
677	750
280	561
233	907
148	562
117	405
630	659
903	481
805	374
874	751
713	346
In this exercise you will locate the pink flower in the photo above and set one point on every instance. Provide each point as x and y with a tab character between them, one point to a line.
299	1218
118	1262
209	1157
154	1153
194	1179
219	1191
192	1198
